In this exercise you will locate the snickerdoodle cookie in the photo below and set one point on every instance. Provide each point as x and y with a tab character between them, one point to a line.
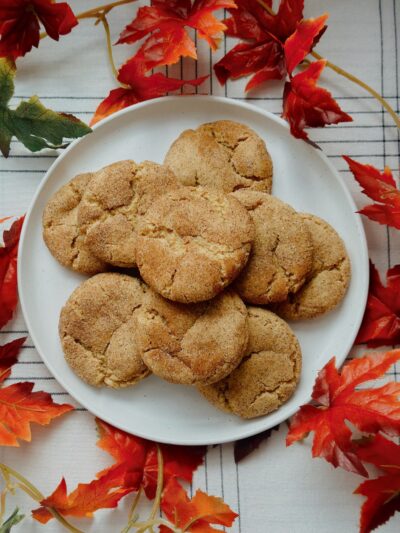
281	256
328	281
61	231
192	344
113	200
221	155
192	243
98	330
267	376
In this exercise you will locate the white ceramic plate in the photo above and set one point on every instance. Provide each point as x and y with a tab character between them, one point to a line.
303	177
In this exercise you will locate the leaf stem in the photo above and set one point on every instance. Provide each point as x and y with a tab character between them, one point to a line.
132	517
35	494
157	498
134	504
362	84
349	76
94	12
156	522
102	17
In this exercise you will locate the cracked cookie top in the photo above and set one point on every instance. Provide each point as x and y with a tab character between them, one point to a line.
282	252
61	231
192	344
98	330
113	200
267	376
222	155
329	278
192	243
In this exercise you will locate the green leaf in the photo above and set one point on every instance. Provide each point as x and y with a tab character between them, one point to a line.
38	127
7	75
11	521
33	124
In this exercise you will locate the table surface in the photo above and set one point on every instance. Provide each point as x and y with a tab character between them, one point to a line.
275	489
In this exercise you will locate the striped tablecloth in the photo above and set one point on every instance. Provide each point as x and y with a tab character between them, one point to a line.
275	490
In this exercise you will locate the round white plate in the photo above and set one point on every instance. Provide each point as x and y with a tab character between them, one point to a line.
303	177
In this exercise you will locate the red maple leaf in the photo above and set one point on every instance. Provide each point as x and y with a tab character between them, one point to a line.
263	51
194	515
140	87
381	322
9	356
139	458
170	17
19	407
383	493
336	400
102	493
8	271
299	44
178	461
380	187
306	104
19	24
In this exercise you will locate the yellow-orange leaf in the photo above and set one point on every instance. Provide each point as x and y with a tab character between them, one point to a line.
201	511
19	406
102	493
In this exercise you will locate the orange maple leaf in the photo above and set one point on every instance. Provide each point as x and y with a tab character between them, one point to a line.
194	515
336	400
19	406
102	493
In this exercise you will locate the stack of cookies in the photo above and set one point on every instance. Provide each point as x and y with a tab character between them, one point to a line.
210	245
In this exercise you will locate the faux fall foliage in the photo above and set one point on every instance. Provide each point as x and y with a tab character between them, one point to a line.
272	46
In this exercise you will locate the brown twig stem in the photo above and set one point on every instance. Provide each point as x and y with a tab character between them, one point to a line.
349	76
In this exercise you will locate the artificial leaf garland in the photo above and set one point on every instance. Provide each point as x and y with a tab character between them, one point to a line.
159	51
34	125
273	44
137	466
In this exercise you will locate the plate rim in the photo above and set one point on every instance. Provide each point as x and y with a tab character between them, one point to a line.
241	432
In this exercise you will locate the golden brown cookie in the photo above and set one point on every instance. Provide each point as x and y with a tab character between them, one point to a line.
114	199
221	155
192	243
329	279
98	330
197	343
267	376
61	232
281	256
